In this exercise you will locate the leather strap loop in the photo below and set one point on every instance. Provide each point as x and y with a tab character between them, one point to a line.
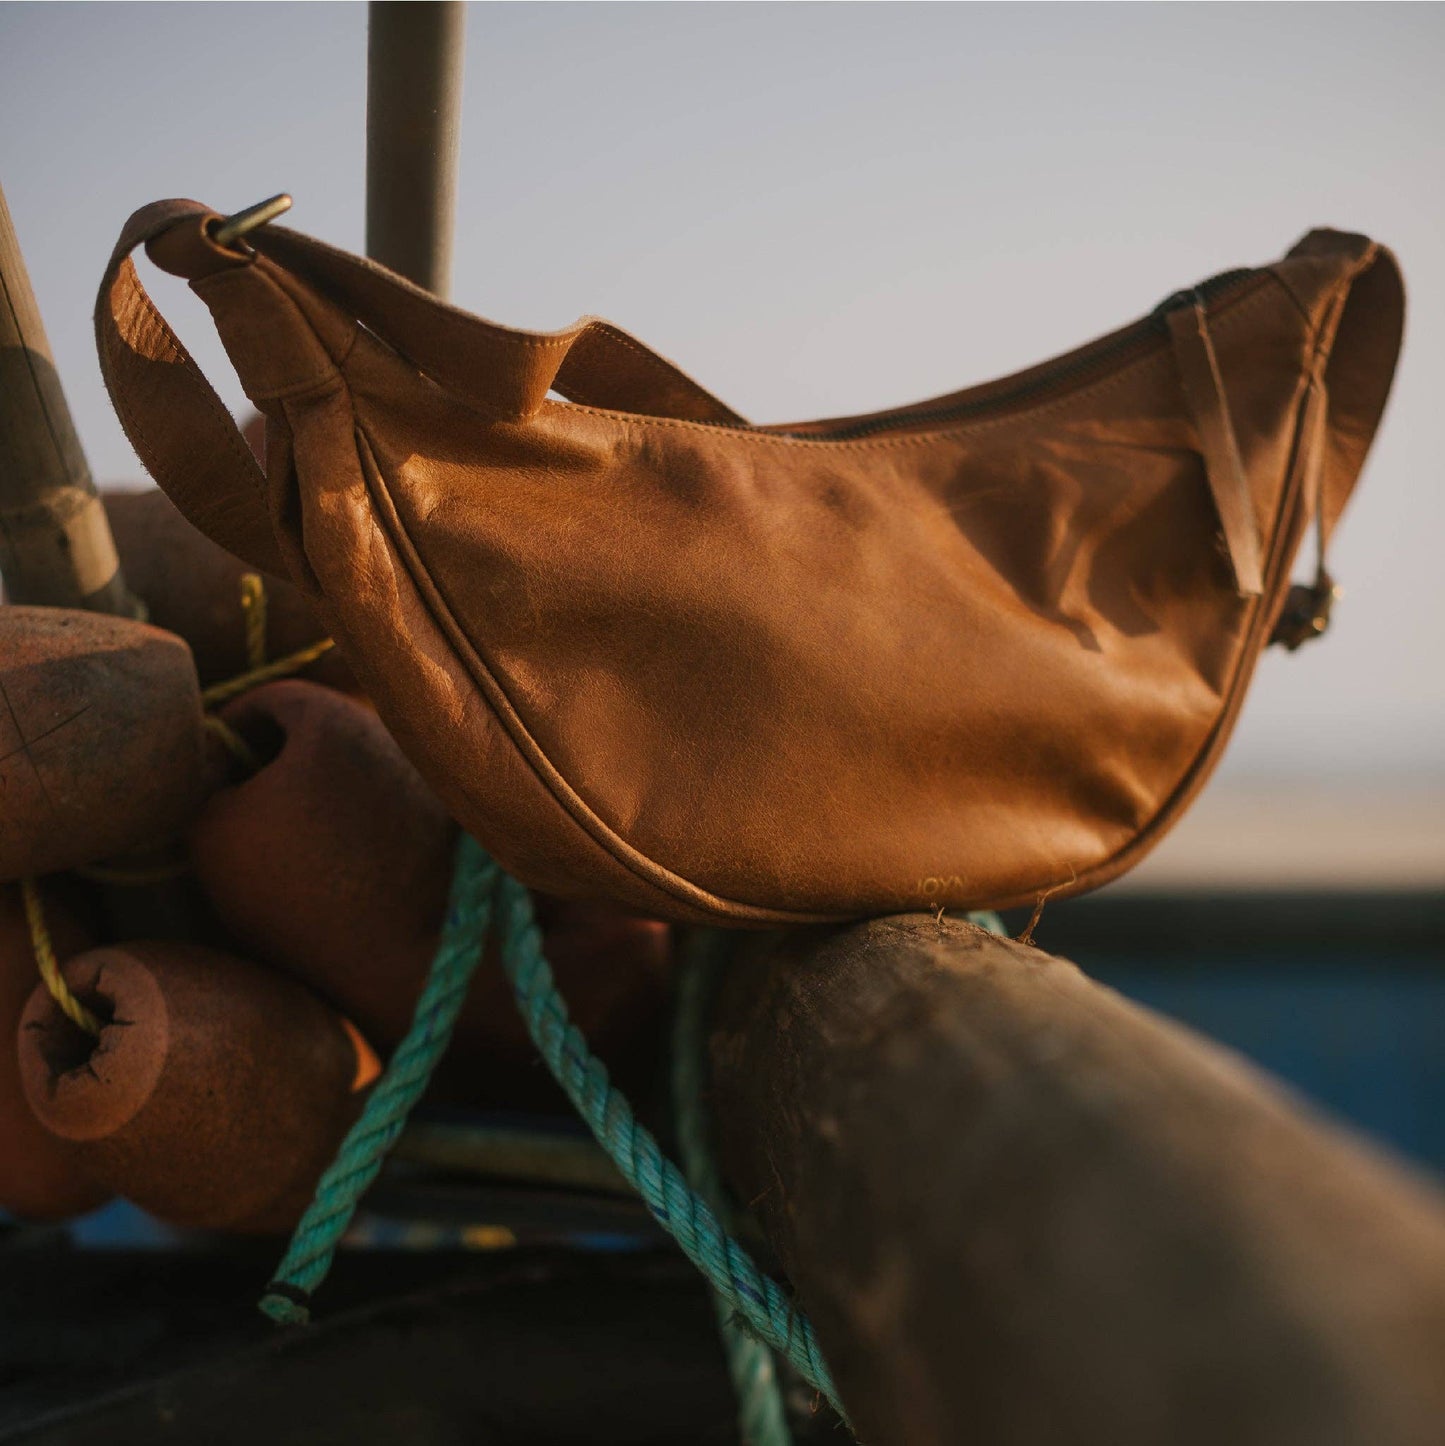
1356	353
1356	348
177	424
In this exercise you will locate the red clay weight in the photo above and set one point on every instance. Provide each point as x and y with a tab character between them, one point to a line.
334	863
102	745
216	1093
193	587
38	1176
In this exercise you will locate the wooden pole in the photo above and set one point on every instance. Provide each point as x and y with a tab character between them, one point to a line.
1021	1209
413	110
55	544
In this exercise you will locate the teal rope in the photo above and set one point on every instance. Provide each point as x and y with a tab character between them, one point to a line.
758	1301
762	1417
308	1257
479	889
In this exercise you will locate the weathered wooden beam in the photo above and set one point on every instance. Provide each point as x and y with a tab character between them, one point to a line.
55	544
1023	1210
413	112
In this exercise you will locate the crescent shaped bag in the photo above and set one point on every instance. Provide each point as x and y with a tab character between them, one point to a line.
960	653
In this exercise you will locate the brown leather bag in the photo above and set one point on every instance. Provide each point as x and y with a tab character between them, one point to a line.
959	653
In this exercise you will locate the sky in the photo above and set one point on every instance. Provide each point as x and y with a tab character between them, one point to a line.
821	209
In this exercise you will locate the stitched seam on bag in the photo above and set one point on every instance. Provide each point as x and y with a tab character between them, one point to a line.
602	836
450	315
512	338
588	403
922	438
664	368
659	365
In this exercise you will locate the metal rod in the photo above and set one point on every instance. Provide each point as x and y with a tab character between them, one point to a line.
55	544
231	229
413	108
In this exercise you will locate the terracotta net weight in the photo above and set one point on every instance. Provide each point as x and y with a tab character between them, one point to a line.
333	863
39	1179
216	1093
102	744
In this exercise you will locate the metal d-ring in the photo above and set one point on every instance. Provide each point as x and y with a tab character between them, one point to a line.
230	229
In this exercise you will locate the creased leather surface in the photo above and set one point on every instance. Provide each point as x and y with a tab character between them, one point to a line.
961	653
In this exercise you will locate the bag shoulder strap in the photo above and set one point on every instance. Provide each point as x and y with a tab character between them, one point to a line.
502	368
1351	290
177	424
189	442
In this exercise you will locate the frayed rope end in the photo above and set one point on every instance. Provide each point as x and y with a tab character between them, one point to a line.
286	1304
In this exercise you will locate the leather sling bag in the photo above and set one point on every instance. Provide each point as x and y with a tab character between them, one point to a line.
960	653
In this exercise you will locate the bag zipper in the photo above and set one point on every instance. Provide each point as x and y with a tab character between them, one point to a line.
1226	286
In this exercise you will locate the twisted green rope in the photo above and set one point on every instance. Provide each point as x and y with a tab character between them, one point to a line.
749	1303
481	893
747	1299
309	1256
762	1417
760	1302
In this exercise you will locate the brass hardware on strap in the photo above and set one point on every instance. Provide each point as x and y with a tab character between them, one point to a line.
230	229
1306	612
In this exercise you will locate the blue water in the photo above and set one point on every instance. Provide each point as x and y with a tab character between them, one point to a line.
1364	1040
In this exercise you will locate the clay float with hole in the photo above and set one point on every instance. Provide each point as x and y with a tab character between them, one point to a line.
216	1093
102	744
39	1178
334	863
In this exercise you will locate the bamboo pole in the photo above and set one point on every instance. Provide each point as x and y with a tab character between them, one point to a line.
1021	1209
413	111
55	544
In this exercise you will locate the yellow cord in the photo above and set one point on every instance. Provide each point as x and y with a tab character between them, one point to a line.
281	668
233	743
258	671
253	605
73	1009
